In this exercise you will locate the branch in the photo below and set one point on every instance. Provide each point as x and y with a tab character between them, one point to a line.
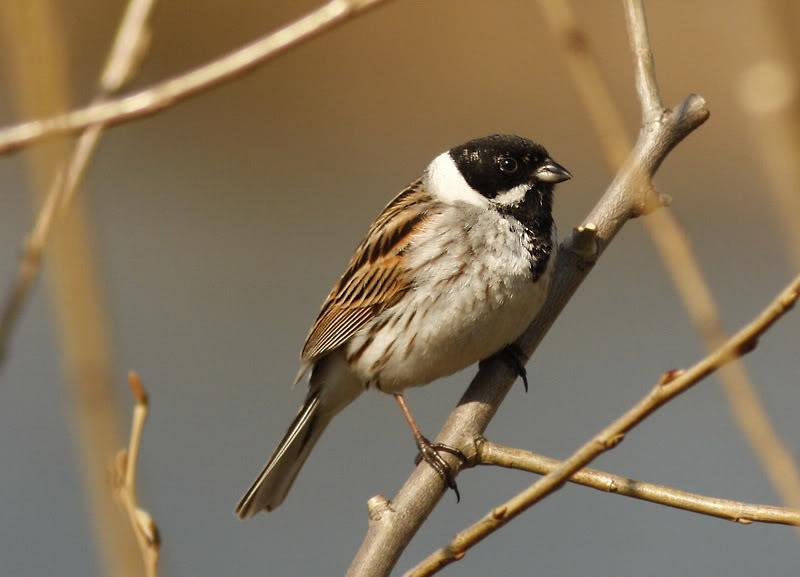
40	80
143	525
672	384
392	526
170	92
671	241
123	59
646	84
489	453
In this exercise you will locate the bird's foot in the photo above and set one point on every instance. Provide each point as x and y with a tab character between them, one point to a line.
513	356
429	452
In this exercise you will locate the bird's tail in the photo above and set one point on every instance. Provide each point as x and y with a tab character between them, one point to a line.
274	482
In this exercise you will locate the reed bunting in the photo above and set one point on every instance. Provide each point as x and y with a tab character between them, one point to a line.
451	272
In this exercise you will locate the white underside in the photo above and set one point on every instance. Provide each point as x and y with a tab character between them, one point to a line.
474	296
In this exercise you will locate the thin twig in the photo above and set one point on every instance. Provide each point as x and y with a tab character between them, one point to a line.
393	524
36	48
143	525
170	92
646	84
671	241
123	59
489	453
672	384
770	96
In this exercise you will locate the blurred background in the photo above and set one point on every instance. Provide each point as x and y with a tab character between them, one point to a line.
219	225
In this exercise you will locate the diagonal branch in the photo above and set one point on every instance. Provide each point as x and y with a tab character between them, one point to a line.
672	384
489	453
170	92
393	525
675	249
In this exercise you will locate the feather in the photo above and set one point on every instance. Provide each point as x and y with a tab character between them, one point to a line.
376	276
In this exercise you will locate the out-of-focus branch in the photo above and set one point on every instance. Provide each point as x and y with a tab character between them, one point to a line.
770	96
393	524
175	90
36	48
143	525
123	58
671	385
674	247
489	453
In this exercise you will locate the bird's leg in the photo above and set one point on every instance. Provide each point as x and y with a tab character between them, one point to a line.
430	451
515	358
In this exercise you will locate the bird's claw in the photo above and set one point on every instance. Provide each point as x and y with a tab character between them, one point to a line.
429	452
513	356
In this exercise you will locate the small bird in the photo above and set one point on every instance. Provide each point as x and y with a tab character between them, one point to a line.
451	272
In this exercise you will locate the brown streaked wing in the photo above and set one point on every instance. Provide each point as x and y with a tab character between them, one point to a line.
375	277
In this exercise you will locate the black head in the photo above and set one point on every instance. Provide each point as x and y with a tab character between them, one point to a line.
495	164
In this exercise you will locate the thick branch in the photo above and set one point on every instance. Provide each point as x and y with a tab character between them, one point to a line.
489	453
170	92
393	529
671	385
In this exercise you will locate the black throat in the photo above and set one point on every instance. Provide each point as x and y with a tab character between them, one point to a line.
535	213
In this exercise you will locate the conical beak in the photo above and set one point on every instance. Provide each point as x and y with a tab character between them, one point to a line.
553	173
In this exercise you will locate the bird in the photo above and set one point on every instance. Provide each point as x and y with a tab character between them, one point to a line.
450	273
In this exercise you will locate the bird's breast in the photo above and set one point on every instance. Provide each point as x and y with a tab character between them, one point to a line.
474	293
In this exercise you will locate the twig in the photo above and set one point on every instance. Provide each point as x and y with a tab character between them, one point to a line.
489	453
646	84
170	92
770	96
671	241
123	59
37	54
143	525
672	384
392	525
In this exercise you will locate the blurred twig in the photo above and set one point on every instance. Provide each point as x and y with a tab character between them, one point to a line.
123	58
393	525
37	50
143	525
676	253
770	96
672	384
175	90
489	453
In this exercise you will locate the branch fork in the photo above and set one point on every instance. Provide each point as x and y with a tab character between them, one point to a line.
625	198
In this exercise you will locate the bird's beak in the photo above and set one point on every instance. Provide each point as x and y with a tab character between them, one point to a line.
553	172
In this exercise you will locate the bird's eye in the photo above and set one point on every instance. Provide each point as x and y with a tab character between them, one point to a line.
507	164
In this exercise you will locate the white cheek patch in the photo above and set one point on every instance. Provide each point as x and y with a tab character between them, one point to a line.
444	181
512	196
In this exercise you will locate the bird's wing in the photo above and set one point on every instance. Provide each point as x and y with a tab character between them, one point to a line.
375	277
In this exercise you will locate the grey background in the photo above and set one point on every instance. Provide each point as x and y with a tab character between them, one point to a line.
220	225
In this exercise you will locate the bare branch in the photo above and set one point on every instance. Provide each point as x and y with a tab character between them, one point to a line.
170	92
36	50
626	197
646	83
672	243
123	59
671	385
489	453
770	96
143	525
